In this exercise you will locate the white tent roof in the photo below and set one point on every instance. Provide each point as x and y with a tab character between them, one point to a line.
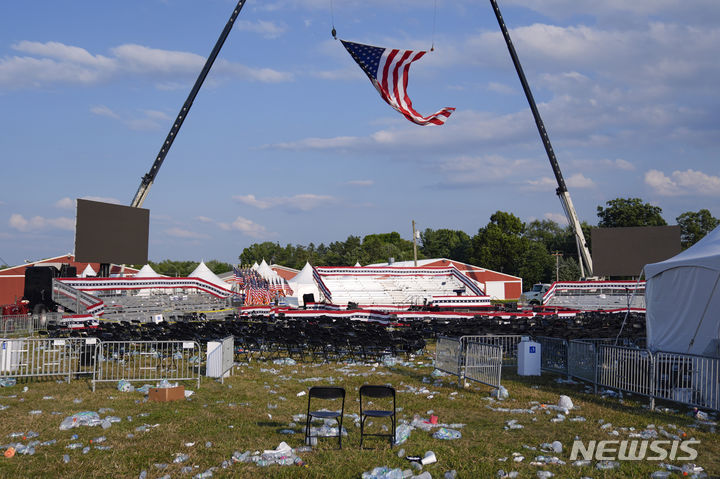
266	272
146	272
305	276
88	271
304	283
683	300
203	272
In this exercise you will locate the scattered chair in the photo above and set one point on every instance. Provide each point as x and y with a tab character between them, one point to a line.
377	392
326	393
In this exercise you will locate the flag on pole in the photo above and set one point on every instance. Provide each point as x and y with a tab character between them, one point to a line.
388	70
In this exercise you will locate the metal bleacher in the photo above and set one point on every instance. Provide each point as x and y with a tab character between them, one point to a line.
389	289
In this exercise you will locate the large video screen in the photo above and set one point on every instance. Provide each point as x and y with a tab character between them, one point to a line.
625	251
108	233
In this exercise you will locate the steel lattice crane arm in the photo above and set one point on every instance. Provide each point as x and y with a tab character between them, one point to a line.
149	177
562	191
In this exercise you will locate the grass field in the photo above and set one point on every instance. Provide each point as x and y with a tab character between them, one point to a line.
249	410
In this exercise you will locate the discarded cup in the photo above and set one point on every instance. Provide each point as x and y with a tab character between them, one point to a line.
428	459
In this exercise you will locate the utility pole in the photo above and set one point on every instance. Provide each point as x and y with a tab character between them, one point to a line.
557	255
414	242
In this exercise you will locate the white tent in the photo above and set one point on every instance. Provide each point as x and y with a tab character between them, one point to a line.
304	283
203	272
267	273
683	300
147	272
88	272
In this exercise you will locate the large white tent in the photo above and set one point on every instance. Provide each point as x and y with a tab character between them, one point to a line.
203	272
304	283
147	272
683	300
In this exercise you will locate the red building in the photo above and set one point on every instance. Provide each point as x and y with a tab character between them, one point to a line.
12	279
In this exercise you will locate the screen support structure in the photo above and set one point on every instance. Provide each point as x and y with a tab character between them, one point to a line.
584	259
149	177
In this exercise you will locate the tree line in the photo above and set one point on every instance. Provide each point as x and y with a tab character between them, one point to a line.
530	250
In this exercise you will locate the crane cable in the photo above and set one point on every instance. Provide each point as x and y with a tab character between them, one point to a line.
333	32
332	21
432	42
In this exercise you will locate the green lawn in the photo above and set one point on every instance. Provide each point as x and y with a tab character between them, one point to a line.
250	409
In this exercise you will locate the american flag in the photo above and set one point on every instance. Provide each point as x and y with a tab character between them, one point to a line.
388	71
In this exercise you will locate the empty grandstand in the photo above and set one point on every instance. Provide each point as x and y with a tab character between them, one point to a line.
391	287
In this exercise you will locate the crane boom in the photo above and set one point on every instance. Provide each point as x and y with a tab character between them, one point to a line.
562	191
149	177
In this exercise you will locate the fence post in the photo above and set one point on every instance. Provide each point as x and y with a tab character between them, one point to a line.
461	364
597	364
652	380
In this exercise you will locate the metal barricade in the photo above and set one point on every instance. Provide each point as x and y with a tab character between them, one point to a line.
688	379
448	355
582	360
147	361
626	369
553	354
34	357
509	343
483	363
19	325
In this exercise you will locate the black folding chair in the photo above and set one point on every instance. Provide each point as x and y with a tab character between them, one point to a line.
377	392
327	393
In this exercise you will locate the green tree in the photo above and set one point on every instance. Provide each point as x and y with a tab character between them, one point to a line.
268	251
218	267
695	225
502	246
623	212
446	243
379	248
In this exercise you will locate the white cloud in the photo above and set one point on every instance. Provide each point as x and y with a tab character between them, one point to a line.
55	63
477	170
339	142
301	202
102	110
682	183
262	27
65	203
558	218
578	180
542	184
37	223
501	88
620	164
185	234
246	226
250	200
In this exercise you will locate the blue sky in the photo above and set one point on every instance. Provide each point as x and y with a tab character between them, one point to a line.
288	141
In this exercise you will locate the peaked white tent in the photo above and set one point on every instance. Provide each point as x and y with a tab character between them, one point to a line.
683	300
88	272
267	273
147	272
304	283
203	272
